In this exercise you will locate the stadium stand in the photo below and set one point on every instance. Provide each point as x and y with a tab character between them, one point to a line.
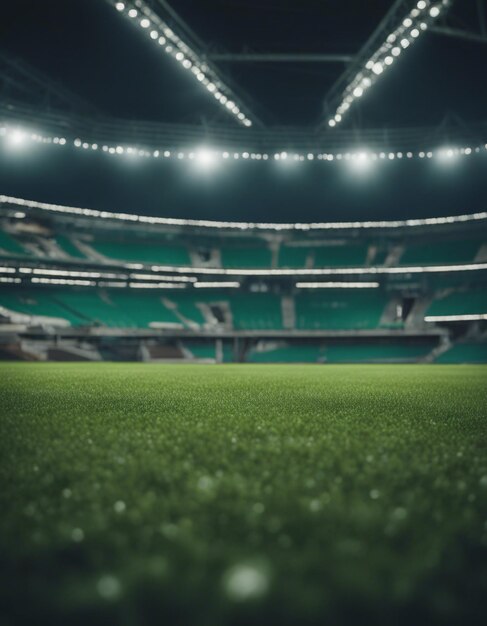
460	302
345	255
340	309
143	252
465	352
378	352
431	253
249	256
67	246
9	246
42	303
293	256
101	283
258	311
368	352
293	353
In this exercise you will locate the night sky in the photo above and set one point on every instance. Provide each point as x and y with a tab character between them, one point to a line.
96	54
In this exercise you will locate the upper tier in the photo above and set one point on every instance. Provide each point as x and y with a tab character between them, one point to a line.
46	232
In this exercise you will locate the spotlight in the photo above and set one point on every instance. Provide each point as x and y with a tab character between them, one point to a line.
16	138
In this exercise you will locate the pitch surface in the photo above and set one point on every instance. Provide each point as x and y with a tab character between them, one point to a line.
210	495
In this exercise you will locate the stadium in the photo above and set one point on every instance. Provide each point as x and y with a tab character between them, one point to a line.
243	313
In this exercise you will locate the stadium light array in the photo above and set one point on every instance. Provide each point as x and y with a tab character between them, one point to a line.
206	156
270	226
410	30
171	44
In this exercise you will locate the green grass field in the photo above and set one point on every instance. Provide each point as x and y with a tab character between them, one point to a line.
206	495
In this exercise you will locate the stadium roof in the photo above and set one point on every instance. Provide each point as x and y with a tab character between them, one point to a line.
80	44
282	65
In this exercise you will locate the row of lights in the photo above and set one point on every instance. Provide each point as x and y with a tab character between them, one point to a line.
206	156
405	35
171	44
180	274
86	278
58	277
456	318
329	271
11	201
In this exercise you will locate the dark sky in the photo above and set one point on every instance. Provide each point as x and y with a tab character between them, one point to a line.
95	53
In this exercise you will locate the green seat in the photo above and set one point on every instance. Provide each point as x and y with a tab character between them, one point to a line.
293	257
10	246
377	352
466	352
67	246
256	311
292	353
248	257
340	309
144	252
437	253
472	302
340	256
39	302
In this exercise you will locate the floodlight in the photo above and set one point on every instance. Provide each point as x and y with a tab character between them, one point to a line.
184	53
407	31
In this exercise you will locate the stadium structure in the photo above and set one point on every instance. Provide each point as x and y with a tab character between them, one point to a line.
81	286
243	313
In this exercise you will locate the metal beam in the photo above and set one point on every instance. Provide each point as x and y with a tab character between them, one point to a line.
459	34
269	57
183	42
372	43
389	24
481	14
45	118
16	77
